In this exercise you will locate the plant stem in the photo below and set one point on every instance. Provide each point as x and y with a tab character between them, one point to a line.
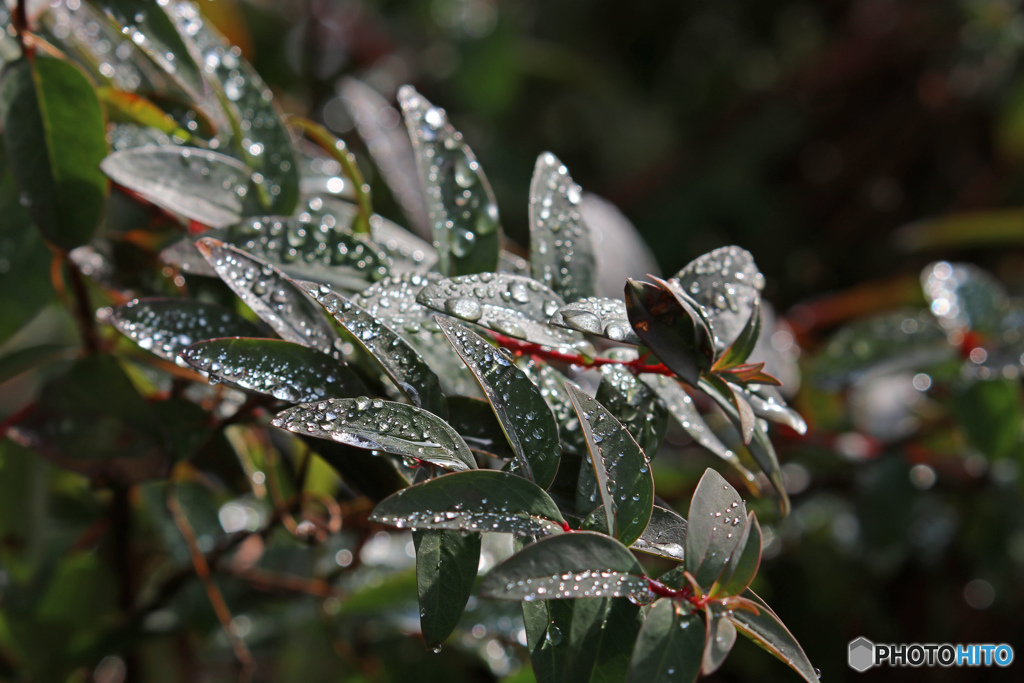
84	313
525	348
121	530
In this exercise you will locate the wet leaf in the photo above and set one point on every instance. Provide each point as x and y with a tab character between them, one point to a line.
129	107
715	525
582	564
670	646
725	282
278	301
665	535
285	370
391	427
399	360
672	328
768	403
767	630
517	402
513	305
640	410
551	383
475	422
561	255
407	251
460	204
601	317
481	500
721	636
735	404
166	326
739	351
200	184
600	638
743	563
55	138
964	296
619	471
547	623
446	565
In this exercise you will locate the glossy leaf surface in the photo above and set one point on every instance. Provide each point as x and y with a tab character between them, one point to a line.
665	535
598	316
671	328
715	524
726	282
768	631
669	647
446	564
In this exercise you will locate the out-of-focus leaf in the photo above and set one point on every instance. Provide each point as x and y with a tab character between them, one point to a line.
368	473
767	630
278	301
990	413
475	421
517	402
582	564
23	360
166	326
513	305
743	563
619	249
665	535
134	108
715	524
407	251
285	370
399	360
481	500
725	282
768	403
640	410
460	204
446	564
718	642
602	317
670	646
989	227
55	138
620	470
206	186
551	383
964	296
382	425
561	255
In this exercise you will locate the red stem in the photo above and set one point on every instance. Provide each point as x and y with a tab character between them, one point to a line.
537	351
684	593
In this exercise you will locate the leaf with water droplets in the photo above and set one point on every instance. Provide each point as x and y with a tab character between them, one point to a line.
561	255
600	639
395	428
582	564
768	403
669	647
475	422
725	282
635	405
618	470
739	351
681	407
513	264
964	296
130	107
200	184
735	404
399	360
513	305
671	327
721	636
460	203
665	535
743	564
287	371
767	630
715	525
446	566
166	326
551	383
601	317
546	624
407	251
481	500
278	301
517	402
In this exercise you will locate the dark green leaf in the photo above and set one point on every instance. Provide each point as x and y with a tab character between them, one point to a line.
990	413
166	326
739	351
715	525
744	562
725	282
721	636
481	500
598	316
285	370
382	425
670	646
767	630
581	564
769	404
547	623
55	137
446	565
618	467
561	255
601	636
665	535
400	361
461	206
551	383
25	359
367	473
517	402
640	410
513	305
475	421
735	404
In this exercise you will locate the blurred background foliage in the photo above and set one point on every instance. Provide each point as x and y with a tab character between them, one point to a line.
846	144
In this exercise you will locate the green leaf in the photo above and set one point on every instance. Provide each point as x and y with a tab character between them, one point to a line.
743	563
671	328
726	282
285	370
990	413
739	351
22	360
56	138
206	186
769	404
721	636
517	402
640	410
561	255
600	640
715	525
512	305
166	326
481	500
462	209
581	564
367	473
382	425
278	301
735	404
598	316
767	630
618	467
475	421
399	360
547	624
665	535
446	565
551	383
670	646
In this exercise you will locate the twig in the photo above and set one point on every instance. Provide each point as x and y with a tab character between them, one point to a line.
525	348
121	530
20	22
84	313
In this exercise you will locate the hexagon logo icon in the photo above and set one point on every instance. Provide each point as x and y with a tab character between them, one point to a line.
862	654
